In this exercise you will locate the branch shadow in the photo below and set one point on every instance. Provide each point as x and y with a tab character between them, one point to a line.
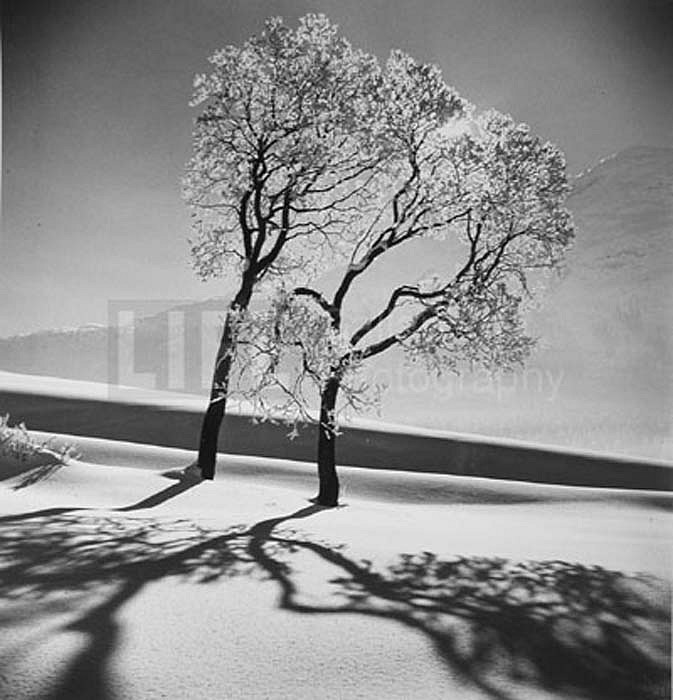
502	627
30	468
37	474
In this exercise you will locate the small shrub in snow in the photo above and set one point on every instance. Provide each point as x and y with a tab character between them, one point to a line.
18	444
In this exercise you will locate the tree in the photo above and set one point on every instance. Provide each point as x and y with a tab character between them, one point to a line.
495	188
283	153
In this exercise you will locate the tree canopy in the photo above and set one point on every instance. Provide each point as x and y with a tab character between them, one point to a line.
282	150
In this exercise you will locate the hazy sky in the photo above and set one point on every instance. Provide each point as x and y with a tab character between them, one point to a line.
96	126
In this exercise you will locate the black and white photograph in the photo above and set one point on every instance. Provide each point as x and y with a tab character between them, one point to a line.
336	349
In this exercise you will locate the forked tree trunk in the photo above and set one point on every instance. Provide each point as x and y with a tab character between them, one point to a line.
328	493
212	421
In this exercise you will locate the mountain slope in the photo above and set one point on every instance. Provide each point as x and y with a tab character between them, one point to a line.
609	319
601	378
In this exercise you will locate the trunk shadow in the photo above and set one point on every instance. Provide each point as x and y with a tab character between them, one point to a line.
182	485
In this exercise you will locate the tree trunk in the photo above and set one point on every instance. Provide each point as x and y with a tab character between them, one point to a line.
328	494
212	421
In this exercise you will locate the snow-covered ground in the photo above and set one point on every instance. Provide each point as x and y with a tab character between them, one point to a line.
120	580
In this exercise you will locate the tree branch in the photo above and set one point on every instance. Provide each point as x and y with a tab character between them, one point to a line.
319	299
397	338
266	261
243	221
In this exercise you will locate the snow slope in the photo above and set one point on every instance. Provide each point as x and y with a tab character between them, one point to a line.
121	581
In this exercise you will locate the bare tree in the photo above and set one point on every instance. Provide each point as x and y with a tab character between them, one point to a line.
283	156
495	188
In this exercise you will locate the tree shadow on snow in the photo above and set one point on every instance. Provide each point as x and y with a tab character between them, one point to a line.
500	626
